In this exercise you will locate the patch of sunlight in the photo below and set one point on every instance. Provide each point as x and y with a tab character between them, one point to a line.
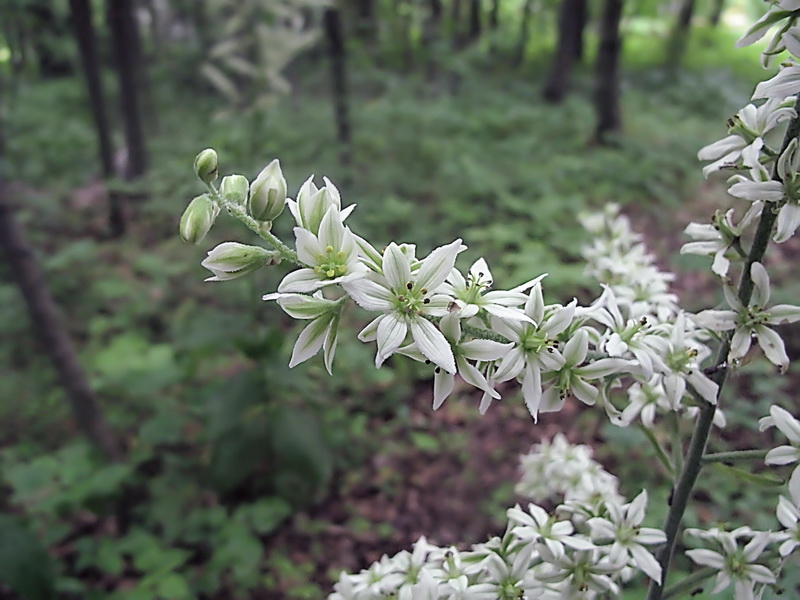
5	54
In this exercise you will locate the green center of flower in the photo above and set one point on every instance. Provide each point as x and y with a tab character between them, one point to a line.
534	341
679	360
411	300
752	316
331	264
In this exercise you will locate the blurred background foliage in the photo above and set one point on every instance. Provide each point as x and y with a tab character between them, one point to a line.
430	115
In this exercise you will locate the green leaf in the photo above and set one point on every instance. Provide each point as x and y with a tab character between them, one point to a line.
174	586
760	479
25	565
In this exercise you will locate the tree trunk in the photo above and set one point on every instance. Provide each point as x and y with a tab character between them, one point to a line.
716	12
336	49
607	100
474	20
47	29
81	14
582	20
455	24
676	46
366	25
125	44
49	327
524	32
571	18
494	15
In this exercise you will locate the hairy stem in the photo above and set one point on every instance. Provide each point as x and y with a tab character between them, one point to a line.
734	455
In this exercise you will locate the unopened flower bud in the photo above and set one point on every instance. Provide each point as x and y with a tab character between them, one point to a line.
268	193
234	188
205	165
197	219
230	260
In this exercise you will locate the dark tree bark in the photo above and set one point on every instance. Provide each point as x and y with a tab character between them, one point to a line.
494	15
47	27
571	20
474	20
127	55
366	25
456	31
676	46
716	12
49	327
607	99
524	32
81	13
337	51
582	18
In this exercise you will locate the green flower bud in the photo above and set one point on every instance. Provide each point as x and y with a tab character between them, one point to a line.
231	260
205	165
197	219
268	193
234	188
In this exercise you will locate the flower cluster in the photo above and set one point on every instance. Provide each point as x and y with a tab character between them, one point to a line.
586	548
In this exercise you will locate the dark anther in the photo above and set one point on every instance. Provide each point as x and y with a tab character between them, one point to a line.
409	285
426	301
437	370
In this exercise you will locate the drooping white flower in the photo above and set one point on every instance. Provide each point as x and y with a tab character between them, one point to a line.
312	204
406	299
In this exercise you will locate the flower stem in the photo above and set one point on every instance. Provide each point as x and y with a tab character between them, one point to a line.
691	582
660	452
260	228
694	457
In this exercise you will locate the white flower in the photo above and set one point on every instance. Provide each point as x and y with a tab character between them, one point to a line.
752	320
630	538
406	299
471	294
322	332
313	203
534	349
784	455
538	528
737	565
463	351
717	239
331	256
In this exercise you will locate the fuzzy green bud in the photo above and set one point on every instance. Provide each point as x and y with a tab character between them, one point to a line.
205	165
198	218
234	188
231	260
268	193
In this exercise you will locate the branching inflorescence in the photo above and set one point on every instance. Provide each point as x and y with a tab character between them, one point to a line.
633	351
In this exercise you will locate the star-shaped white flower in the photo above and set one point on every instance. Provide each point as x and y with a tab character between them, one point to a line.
406	299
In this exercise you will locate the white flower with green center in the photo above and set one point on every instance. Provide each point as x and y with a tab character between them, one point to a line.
583	574
313	203
624	526
788	514
331	256
539	528
323	330
752	320
573	376
737	565
535	345
406	300
682	356
472	294
464	351
718	238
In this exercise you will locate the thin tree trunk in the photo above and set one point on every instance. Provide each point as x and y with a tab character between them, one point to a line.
582	19
607	99
336	49
50	329
571	16
676	46
494	15
524	32
81	13
474	20
125	43
455	24
366	25
716	12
